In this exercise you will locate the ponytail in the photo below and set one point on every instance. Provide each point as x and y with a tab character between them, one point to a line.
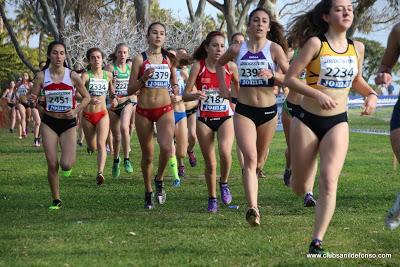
276	34
310	24
200	52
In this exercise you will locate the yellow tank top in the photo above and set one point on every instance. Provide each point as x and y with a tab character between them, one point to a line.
332	70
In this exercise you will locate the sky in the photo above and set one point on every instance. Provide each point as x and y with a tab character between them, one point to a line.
179	9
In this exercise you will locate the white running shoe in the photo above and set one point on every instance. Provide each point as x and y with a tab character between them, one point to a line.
392	220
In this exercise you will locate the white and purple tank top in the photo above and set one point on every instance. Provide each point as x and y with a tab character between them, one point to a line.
249	64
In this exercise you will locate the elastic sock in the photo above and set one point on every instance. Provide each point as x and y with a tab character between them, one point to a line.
126	159
116	160
172	164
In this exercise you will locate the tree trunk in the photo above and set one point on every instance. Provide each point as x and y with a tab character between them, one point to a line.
15	41
41	36
1	26
360	9
269	5
77	14
142	10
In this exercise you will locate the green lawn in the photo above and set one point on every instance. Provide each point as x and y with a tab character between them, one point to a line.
107	225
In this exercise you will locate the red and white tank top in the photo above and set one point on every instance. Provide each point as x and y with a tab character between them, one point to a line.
59	97
161	75
213	106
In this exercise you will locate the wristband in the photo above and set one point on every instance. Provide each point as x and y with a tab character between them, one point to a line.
373	94
113	96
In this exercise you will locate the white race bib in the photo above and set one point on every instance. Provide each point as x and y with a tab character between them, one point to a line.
161	76
121	87
22	90
58	100
337	72
248	73
213	102
98	87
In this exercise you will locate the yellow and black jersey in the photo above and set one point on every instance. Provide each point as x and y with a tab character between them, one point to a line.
333	70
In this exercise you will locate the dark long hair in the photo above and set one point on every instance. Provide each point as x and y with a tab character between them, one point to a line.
172	57
310	24
276	32
49	49
200	52
90	51
236	34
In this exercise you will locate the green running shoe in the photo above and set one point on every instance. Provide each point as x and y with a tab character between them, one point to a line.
56	205
66	173
128	166
115	168
316	248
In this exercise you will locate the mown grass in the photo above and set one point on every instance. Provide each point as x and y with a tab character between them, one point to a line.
107	225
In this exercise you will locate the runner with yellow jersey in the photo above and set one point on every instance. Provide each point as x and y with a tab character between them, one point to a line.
334	65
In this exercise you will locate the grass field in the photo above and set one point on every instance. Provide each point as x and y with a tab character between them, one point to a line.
107	225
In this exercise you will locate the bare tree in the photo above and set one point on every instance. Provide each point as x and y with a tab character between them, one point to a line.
269	5
194	16
142	8
233	23
124	30
14	40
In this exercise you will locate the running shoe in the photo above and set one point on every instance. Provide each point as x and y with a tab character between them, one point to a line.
89	151
192	158
212	205
56	205
176	183
148	200
226	196
286	176
181	171
253	217
80	143
309	200
115	168
66	173
161	196
128	166
11	130
261	175
392	220
316	248
100	179
35	144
